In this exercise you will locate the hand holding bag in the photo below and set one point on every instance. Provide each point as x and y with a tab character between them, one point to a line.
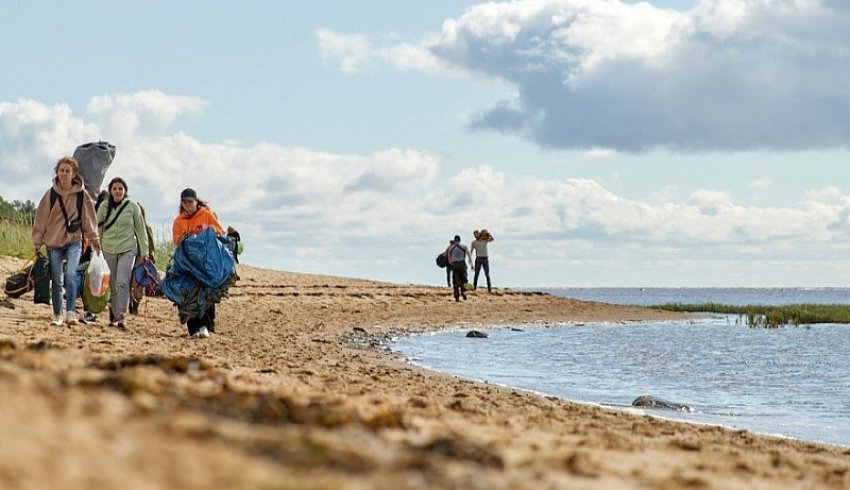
98	274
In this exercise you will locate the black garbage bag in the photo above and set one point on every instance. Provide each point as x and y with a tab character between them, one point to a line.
94	160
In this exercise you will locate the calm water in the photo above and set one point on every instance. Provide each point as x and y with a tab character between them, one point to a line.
790	381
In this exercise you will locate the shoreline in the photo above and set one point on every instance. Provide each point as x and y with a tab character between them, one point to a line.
666	415
294	391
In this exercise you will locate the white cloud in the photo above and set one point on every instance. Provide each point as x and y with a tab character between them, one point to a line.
598	153
349	213
760	184
149	112
725	75
350	51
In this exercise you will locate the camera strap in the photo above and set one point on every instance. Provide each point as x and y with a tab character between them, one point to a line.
56	197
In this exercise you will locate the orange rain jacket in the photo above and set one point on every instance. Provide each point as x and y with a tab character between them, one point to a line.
192	225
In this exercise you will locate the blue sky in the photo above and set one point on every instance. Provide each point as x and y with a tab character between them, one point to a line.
602	142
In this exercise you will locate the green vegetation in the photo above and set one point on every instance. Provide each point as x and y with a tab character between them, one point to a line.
771	316
17	210
16	228
16	237
16	233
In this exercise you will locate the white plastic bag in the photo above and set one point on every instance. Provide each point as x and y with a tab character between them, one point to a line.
99	274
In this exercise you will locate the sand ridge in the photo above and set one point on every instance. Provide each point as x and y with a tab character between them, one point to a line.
296	390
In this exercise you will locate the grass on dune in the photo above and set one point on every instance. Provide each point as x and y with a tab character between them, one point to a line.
16	241
771	316
16	238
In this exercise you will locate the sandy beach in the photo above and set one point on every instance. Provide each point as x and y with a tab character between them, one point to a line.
297	390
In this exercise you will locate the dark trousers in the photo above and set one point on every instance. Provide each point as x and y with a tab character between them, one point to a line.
207	319
448	276
479	263
459	278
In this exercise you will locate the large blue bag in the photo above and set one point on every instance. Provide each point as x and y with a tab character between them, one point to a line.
200	273
206	257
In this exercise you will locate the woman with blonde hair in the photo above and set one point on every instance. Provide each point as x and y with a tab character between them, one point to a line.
64	214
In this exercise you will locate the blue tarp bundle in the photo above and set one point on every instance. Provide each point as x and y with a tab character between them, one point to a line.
200	273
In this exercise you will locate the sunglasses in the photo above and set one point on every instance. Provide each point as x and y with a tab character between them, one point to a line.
186	201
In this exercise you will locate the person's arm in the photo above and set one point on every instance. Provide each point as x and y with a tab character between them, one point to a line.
490	239
89	220
211	220
468	254
177	231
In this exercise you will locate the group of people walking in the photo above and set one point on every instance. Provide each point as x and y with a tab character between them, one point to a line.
457	255
66	219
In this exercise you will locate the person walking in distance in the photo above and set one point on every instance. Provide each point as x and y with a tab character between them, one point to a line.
457	254
479	245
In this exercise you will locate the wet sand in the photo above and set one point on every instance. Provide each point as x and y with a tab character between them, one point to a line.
297	390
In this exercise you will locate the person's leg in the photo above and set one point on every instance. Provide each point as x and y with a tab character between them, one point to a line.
464	279
57	262
448	276
120	284
477	270
112	262
210	318
194	324
456	282
485	263
72	261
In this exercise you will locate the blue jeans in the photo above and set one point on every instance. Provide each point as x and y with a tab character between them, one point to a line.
64	274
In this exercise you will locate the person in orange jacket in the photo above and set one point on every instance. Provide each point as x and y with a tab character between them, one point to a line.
193	218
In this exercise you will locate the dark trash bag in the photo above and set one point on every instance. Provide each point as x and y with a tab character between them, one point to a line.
20	282
442	261
41	280
94	159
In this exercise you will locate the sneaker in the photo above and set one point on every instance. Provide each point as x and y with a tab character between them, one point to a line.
89	317
71	317
57	321
203	332
121	325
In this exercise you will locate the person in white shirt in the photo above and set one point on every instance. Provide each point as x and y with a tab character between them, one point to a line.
479	245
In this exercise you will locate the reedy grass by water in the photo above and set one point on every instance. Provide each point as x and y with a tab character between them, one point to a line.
770	316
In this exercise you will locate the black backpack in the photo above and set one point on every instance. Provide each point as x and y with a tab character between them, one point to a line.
71	225
442	261
20	282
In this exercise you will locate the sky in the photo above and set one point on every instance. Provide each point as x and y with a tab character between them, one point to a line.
601	142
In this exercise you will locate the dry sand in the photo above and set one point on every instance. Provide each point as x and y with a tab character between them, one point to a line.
296	390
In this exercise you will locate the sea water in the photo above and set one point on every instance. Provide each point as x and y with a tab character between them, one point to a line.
791	381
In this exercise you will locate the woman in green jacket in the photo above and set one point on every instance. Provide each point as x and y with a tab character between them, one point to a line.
123	234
